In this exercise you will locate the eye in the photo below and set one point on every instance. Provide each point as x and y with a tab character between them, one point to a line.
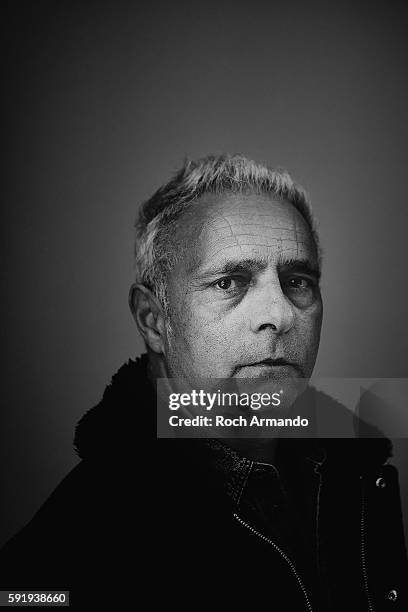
301	284
224	284
229	284
300	290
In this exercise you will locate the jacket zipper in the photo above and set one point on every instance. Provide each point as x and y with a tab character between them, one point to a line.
288	561
363	551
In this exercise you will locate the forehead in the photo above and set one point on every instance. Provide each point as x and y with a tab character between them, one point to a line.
219	228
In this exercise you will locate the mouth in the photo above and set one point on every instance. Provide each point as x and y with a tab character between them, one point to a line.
279	366
273	363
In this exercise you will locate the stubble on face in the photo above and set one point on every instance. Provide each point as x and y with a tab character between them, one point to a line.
213	330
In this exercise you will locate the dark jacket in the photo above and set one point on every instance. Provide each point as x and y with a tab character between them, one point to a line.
193	523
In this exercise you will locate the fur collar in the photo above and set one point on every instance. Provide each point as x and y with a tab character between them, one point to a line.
127	412
127	406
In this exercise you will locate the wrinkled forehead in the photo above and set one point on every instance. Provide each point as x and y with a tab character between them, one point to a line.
217	228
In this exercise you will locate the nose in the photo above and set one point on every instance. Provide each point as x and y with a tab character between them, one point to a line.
270	308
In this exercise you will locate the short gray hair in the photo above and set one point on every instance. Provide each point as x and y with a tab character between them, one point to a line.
154	256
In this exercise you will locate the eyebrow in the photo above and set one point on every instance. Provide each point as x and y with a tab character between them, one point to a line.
304	266
285	265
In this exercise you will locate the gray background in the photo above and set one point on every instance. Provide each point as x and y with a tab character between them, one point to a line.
104	101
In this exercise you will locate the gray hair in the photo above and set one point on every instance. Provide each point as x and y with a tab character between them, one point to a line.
154	255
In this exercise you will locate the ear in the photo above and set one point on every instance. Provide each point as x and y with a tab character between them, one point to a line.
148	314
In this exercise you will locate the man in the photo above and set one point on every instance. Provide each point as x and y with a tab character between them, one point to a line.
228	268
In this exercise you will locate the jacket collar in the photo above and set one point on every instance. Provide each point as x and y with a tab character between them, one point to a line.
127	413
128	405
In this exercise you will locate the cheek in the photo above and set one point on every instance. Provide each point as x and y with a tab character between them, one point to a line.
193	318
204	333
191	328
317	318
309	324
202	339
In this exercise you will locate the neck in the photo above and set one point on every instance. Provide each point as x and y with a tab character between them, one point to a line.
263	450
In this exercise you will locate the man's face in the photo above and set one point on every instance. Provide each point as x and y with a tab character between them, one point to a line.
244	299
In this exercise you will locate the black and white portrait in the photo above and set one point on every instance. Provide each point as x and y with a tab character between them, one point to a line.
201	193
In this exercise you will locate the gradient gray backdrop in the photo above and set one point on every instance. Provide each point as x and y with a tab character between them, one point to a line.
105	100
